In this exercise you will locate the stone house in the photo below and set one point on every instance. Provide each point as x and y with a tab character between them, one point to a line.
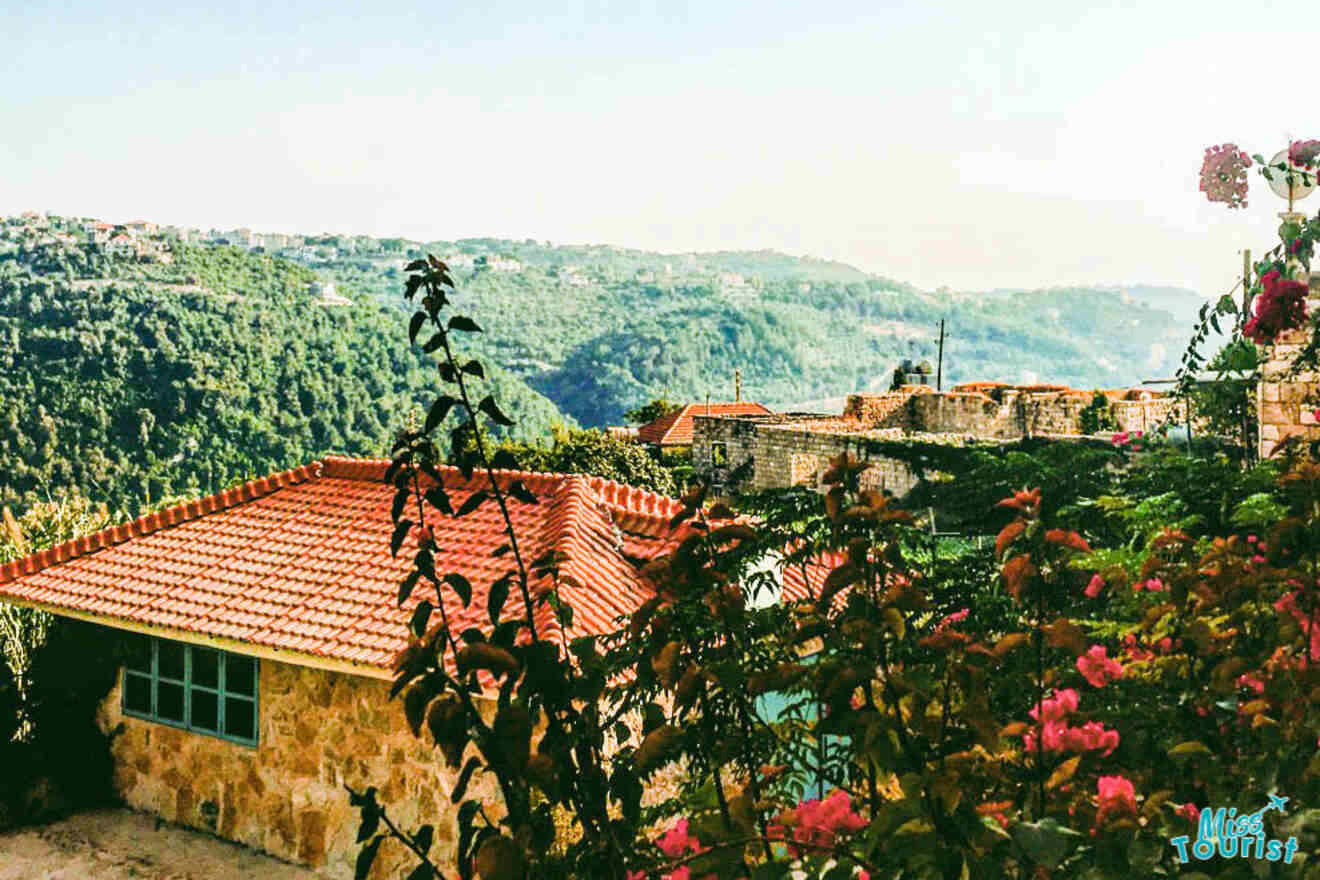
674	431
752	452
265	623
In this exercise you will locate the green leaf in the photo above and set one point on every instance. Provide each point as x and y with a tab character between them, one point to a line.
460	788
407	585
458	322
460	586
474	368
415	326
422	871
492	410
415	266
400	532
400	499
1189	749
520	491
439	410
1047	843
370	822
499	593
421	617
475	500
438	498
366	857
436	341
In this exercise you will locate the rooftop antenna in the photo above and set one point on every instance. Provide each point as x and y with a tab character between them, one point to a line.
939	361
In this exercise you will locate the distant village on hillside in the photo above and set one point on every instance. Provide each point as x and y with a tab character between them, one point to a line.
150	242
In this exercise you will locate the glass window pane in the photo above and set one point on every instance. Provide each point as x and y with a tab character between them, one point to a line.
169	701
240	675
205	710
137	653
171	660
240	718
206	667
137	693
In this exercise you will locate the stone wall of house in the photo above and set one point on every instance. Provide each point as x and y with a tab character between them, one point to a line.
786	451
319	731
1010	414
1285	403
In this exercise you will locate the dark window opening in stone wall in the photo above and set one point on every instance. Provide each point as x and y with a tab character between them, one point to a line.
199	689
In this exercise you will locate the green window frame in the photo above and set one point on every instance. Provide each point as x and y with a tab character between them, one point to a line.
204	690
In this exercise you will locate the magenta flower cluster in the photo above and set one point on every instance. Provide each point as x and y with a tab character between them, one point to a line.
1281	306
1304	154
1224	175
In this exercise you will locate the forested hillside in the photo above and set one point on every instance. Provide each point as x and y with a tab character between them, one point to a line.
599	329
159	379
137	366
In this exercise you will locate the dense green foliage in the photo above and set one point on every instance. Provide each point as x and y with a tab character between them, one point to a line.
53	673
600	330
169	380
595	453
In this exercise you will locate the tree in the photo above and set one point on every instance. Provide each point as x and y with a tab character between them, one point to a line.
647	413
596	453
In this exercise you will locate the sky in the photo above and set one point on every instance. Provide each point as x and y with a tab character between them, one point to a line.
971	145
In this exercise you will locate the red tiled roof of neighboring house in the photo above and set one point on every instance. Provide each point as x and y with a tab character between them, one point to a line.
675	429
299	561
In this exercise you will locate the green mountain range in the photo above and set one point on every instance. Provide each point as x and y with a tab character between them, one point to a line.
598	329
141	377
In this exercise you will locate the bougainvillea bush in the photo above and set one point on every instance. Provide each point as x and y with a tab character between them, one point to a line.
822	688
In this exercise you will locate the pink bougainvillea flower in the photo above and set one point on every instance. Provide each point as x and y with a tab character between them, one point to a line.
676	842
1097	668
1090	737
1303	154
1189	811
1094	586
955	617
1280	306
1058	707
1116	798
1287	604
1224	175
1250	681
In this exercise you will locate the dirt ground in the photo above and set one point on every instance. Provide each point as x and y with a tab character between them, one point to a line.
120	844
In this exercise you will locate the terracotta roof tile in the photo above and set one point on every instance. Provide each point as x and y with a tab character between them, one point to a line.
300	561
675	429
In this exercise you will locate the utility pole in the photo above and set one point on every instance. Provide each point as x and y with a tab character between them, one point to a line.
1246	283
939	368
737	386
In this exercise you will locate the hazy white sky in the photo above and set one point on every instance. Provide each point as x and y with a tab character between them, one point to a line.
970	144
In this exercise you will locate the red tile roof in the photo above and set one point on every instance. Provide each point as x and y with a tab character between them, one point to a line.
675	429
300	561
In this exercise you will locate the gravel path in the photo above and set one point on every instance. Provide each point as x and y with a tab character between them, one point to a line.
120	844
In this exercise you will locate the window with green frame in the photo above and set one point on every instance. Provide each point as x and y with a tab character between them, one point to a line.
202	689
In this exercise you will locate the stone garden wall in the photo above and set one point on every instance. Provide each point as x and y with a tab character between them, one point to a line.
319	731
1285	403
783	450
